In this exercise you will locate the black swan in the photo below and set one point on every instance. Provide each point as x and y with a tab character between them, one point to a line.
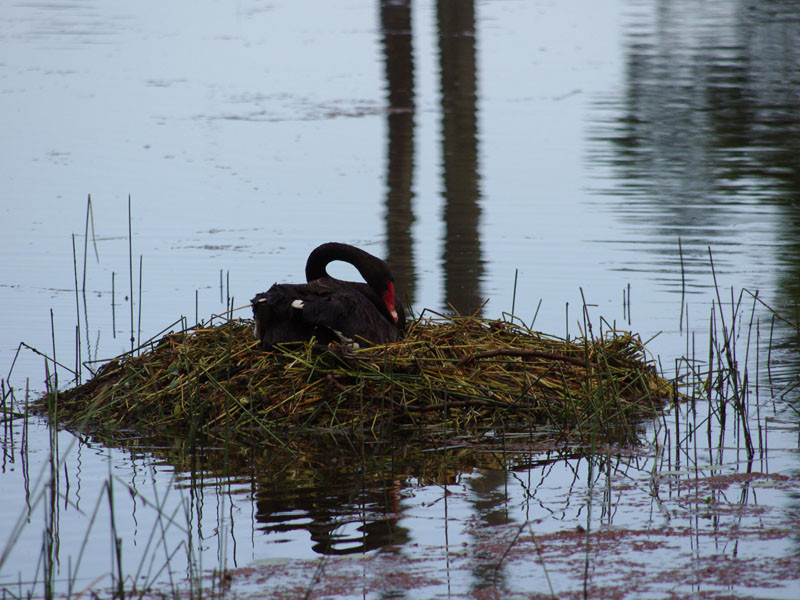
331	309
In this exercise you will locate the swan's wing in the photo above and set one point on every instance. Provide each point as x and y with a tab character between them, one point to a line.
351	315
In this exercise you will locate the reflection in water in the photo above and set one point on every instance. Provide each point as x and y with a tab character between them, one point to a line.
396	29
462	261
348	501
490	491
706	133
704	143
463	264
497	497
348	504
343	513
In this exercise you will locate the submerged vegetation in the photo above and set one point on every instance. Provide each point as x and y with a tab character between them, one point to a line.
449	374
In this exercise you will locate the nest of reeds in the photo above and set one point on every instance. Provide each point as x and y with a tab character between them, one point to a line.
448	375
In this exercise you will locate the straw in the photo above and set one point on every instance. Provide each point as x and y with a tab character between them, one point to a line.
450	373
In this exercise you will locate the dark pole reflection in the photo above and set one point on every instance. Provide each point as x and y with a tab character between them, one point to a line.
489	493
396	28
462	260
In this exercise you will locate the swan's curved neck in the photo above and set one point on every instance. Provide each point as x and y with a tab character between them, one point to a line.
374	271
325	254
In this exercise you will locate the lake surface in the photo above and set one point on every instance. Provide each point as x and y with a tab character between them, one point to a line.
498	153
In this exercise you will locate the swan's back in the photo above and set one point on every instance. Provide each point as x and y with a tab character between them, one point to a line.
326	308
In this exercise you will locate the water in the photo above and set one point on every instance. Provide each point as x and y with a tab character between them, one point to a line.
571	146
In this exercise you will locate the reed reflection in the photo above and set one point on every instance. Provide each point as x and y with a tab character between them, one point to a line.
399	65
462	260
704	141
706	133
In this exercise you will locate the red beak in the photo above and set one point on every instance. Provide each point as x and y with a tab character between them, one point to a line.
388	300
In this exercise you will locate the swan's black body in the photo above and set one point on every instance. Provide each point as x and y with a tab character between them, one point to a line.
331	309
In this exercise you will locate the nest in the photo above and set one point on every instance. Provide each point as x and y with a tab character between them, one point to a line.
449	375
